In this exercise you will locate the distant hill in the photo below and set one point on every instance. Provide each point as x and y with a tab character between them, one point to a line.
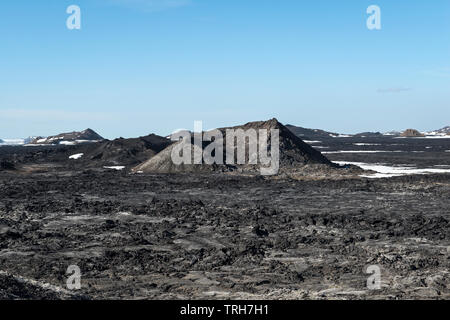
118	152
126	151
16	142
392	133
412	133
11	142
368	134
441	132
310	134
69	138
28	140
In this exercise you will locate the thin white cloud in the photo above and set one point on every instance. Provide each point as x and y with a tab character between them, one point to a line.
394	90
150	5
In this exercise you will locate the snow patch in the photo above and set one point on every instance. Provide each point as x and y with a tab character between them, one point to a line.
435	137
67	143
340	136
118	168
385	171
76	156
87	141
360	151
426	137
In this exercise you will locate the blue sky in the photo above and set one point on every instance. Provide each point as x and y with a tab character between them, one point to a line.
142	66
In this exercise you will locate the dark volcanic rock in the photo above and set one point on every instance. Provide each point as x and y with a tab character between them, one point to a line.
6	165
123	152
217	236
293	151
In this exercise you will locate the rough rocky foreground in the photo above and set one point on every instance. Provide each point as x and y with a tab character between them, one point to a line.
196	236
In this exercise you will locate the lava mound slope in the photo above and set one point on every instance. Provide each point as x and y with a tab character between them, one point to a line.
293	153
